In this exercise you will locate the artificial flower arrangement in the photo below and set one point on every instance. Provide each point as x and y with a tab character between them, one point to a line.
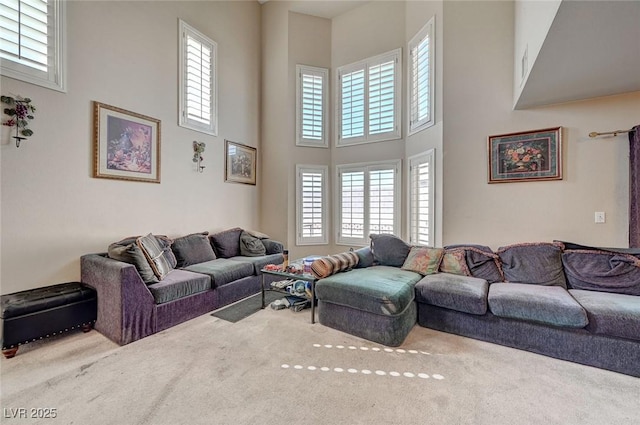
20	112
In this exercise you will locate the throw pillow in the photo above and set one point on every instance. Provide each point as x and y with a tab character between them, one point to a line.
365	257
389	250
272	247
257	234
331	264
155	252
251	246
227	244
127	251
535	263
482	262
454	261
192	249
423	260
597	270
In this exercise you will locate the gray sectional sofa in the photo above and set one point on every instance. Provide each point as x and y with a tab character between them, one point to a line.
203	273
562	300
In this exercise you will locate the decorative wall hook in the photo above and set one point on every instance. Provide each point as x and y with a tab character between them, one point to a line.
198	149
20	111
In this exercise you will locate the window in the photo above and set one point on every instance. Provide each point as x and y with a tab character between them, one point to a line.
368	97
421	208
311	189
368	201
421	79
311	106
32	41
198	89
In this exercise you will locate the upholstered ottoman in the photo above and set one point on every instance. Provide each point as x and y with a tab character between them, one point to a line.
375	303
42	312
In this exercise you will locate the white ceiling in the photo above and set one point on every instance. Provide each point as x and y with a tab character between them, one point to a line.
591	50
328	9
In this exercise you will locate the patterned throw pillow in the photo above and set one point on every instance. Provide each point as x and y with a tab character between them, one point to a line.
454	261
423	260
157	255
331	264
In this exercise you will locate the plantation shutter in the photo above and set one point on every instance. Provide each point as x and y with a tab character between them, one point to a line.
198	81
381	201
421	200
352	103
381	97
311	106
312	214
24	32
421	79
352	205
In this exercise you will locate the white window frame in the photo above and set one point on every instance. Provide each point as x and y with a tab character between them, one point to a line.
185	31
300	238
323	73
417	124
414	161
366	65
396	165
54	77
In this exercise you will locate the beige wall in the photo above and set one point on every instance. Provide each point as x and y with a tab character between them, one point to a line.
478	99
126	54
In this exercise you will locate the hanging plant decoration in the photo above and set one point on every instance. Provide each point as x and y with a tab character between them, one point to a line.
20	112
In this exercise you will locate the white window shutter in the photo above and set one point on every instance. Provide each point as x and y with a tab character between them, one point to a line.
382	201
352	104
352	206
421	79
32	41
311	106
197	81
382	97
421	198
311	204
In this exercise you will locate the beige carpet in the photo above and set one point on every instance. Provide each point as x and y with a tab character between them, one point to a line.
274	367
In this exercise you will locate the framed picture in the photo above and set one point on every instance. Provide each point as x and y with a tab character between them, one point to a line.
126	145
240	163
526	156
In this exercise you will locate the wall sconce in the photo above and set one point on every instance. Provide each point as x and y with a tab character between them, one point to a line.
198	149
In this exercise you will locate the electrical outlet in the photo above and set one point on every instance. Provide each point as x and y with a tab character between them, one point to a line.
600	217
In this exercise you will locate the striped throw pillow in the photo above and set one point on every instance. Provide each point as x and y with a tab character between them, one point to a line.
326	266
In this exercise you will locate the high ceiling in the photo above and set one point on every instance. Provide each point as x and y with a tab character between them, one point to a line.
323	9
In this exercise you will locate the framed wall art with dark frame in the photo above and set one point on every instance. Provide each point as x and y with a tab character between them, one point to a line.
126	145
525	156
240	163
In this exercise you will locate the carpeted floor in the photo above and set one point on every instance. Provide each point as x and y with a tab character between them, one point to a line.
274	367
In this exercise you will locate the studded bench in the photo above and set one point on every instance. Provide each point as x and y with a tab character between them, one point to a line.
39	313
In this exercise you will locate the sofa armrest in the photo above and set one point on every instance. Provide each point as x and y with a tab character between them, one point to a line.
126	308
272	247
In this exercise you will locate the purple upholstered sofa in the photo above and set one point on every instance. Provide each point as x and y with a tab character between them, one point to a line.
208	272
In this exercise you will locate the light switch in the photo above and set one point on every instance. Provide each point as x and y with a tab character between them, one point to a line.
600	217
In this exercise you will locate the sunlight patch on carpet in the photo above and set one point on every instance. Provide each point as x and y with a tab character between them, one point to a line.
354	371
374	349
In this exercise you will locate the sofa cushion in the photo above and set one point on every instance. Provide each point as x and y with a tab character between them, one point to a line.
227	244
258	263
251	246
482	262
611	314
535	263
378	289
272	247
551	305
192	249
423	260
389	250
132	254
365	257
223	270
461	293
159	255
606	271
454	261
179	284
331	264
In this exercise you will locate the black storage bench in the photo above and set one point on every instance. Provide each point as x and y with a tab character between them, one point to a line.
43	312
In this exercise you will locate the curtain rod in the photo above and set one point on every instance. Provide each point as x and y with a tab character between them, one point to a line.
615	133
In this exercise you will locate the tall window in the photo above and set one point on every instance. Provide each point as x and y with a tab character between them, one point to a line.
421	208
421	79
368	201
198	89
368	100
311	204
311	106
32	41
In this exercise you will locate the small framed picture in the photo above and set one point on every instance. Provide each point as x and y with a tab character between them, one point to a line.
526	156
126	145
240	163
